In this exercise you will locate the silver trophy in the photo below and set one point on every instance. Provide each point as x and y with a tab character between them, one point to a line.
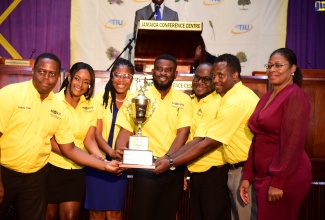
140	108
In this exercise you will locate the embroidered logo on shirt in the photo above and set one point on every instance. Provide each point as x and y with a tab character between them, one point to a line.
88	108
178	105
55	114
24	107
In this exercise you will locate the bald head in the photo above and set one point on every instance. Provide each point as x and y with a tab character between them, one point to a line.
202	82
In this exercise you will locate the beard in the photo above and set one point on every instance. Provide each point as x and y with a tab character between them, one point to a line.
162	86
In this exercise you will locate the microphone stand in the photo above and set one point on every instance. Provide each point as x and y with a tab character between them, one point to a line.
129	45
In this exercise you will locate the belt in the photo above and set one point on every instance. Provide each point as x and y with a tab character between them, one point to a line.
236	165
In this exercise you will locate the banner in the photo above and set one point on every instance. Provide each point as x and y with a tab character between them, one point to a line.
249	29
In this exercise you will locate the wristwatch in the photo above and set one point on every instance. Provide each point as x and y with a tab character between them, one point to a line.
171	163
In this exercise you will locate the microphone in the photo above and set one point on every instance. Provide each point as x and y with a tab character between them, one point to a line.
153	13
308	62
33	51
157	7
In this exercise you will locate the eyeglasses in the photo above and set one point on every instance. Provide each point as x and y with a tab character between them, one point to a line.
204	79
166	70
118	75
277	66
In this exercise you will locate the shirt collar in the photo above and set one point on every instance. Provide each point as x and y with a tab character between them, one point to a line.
153	6
61	97
36	93
206	98
233	89
157	93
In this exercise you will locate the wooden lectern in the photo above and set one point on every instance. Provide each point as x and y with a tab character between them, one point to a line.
176	38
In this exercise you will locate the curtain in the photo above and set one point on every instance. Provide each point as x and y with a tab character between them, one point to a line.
306	34
40	25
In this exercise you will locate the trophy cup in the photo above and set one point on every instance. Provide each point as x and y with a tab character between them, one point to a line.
140	108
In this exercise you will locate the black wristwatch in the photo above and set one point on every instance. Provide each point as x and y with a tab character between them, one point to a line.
171	163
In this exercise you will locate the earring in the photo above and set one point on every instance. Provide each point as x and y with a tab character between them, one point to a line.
292	74
89	86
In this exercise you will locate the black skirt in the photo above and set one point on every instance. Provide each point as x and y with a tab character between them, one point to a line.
65	185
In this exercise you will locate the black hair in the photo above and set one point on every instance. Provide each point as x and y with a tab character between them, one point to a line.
50	56
74	69
109	88
292	59
233	63
201	43
166	57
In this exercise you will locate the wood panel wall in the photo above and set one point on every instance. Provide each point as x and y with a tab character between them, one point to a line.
14	74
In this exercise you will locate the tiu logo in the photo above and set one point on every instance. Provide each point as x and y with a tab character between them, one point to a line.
212	2
114	23
241	28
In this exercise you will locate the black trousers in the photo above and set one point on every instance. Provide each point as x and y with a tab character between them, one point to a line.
209	195
26	191
157	197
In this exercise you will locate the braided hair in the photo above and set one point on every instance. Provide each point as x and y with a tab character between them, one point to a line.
74	69
109	88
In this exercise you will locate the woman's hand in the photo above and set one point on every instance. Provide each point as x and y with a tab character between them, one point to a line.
274	194
113	167
117	154
244	191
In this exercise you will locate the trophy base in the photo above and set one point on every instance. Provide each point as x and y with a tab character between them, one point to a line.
137	159
138	143
137	166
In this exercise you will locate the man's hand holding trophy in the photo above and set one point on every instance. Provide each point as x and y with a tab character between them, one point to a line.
140	108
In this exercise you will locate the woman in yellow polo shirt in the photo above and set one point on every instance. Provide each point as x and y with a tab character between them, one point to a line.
105	193
66	183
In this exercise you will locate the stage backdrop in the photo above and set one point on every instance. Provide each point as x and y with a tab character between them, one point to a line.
250	29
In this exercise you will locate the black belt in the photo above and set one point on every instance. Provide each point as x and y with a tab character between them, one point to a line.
236	165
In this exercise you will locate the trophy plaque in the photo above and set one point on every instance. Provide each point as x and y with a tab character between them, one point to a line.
140	108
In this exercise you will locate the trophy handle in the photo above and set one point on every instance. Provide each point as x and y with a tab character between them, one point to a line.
152	108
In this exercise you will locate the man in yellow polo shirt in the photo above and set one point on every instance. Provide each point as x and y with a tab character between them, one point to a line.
209	173
30	115
229	130
157	196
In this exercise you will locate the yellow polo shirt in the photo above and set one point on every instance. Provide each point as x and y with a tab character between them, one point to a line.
27	124
231	124
204	112
106	116
171	113
82	117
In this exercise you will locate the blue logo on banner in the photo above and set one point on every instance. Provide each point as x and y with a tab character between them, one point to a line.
319	5
212	2
241	28
115	23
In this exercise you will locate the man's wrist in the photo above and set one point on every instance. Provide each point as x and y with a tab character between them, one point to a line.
171	164
168	155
